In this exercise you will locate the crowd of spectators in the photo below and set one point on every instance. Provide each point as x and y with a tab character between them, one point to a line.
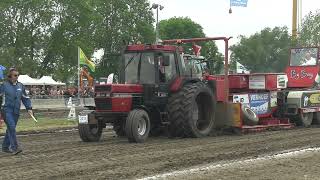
54	92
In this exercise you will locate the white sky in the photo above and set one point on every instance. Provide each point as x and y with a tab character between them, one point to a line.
214	17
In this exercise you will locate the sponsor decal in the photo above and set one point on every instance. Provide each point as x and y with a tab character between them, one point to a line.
259	103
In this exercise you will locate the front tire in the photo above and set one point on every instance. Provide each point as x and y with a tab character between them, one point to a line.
90	132
137	126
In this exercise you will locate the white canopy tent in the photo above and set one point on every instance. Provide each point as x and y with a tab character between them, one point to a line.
45	80
27	80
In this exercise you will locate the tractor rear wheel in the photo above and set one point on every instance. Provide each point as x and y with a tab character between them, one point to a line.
90	132
304	119
137	126
191	111
119	128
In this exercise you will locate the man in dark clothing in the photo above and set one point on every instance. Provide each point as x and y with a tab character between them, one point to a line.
13	92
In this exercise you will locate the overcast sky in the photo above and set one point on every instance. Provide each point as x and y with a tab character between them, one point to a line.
214	17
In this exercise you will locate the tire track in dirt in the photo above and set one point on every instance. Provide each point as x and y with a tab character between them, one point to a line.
62	155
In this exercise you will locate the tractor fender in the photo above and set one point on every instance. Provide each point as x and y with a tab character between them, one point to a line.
143	108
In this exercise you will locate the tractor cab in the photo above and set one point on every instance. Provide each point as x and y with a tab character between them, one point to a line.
149	64
303	67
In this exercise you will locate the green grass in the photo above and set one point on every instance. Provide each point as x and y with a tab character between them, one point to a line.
43	124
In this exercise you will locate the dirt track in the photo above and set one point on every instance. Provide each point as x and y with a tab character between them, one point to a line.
63	155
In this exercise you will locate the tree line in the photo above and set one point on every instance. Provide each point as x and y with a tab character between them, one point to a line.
40	37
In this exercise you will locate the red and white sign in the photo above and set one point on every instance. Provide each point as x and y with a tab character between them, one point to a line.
301	76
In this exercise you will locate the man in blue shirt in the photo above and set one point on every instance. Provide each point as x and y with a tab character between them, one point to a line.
13	92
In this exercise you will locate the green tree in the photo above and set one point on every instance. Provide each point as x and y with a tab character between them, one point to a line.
310	32
183	28
214	57
123	21
266	51
22	30
41	37
75	26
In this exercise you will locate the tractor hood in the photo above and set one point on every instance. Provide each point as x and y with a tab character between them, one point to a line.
119	88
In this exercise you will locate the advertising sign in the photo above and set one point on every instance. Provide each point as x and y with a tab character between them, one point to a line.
310	99
241	98
273	99
282	81
257	82
259	103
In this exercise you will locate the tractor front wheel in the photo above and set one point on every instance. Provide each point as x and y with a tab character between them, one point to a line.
90	132
137	126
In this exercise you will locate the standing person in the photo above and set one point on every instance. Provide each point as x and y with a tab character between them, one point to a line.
13	93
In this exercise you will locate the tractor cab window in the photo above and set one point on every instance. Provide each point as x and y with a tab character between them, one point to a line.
168	71
147	69
304	57
144	67
194	66
139	68
131	67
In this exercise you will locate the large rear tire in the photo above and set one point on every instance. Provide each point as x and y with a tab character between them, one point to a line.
304	119
191	111
137	126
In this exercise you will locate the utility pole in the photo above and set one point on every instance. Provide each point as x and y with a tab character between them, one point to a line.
157	7
294	18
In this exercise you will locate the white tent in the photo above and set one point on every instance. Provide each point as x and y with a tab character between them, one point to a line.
27	80
47	80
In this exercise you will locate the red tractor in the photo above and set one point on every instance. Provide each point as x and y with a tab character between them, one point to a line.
155	91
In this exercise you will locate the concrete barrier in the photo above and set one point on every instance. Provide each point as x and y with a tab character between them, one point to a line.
87	101
48	103
59	103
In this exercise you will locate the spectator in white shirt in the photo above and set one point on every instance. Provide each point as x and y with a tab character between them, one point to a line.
309	60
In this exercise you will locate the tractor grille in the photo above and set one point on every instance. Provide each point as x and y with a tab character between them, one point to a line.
103	104
137	101
106	88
